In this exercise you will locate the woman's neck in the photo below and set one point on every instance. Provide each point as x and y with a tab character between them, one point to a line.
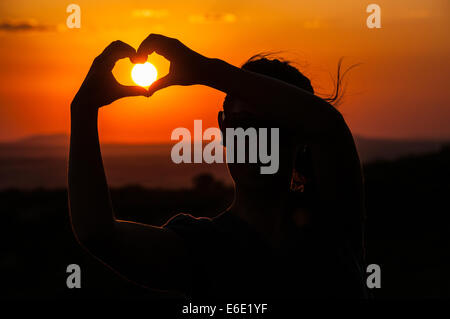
263	210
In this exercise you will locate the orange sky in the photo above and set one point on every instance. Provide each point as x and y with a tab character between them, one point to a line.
401	90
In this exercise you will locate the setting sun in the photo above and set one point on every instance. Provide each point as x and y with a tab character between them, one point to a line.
144	74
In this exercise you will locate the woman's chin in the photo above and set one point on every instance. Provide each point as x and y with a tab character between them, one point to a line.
249	176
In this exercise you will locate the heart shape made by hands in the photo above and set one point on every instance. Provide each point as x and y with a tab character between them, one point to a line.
142	74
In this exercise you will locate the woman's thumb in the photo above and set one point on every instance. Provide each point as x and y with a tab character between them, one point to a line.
159	84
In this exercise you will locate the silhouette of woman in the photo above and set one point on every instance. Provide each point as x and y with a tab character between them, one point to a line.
296	233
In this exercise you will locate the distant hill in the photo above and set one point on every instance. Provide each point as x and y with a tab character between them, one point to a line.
369	149
43	140
41	161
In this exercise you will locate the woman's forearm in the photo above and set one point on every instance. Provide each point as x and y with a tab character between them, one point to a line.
290	105
90	205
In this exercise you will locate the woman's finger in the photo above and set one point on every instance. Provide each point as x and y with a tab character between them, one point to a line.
132	90
156	43
115	51
160	84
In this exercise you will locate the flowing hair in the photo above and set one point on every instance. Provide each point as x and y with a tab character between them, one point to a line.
340	87
270	64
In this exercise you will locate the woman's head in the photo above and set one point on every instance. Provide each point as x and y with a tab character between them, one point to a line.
291	155
279	69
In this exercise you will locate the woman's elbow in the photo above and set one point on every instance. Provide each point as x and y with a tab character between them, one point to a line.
92	238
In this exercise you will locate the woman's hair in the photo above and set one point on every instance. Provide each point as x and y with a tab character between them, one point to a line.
279	69
283	70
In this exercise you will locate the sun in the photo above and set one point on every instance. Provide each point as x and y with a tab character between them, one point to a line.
144	74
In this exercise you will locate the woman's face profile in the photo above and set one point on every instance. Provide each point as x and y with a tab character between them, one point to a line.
237	114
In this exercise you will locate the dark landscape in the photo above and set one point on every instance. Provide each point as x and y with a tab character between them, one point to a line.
407	187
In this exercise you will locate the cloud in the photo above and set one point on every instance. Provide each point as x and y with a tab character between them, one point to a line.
25	26
213	17
149	13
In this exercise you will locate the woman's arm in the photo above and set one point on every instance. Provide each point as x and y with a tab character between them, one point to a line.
289	105
147	255
90	205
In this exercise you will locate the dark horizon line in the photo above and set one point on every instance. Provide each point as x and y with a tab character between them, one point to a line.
42	137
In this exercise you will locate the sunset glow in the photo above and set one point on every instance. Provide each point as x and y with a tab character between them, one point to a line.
398	91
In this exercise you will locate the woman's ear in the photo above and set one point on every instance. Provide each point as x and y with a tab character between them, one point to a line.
220	120
302	170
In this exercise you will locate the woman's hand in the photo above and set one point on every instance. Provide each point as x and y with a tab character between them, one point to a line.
100	88
187	67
